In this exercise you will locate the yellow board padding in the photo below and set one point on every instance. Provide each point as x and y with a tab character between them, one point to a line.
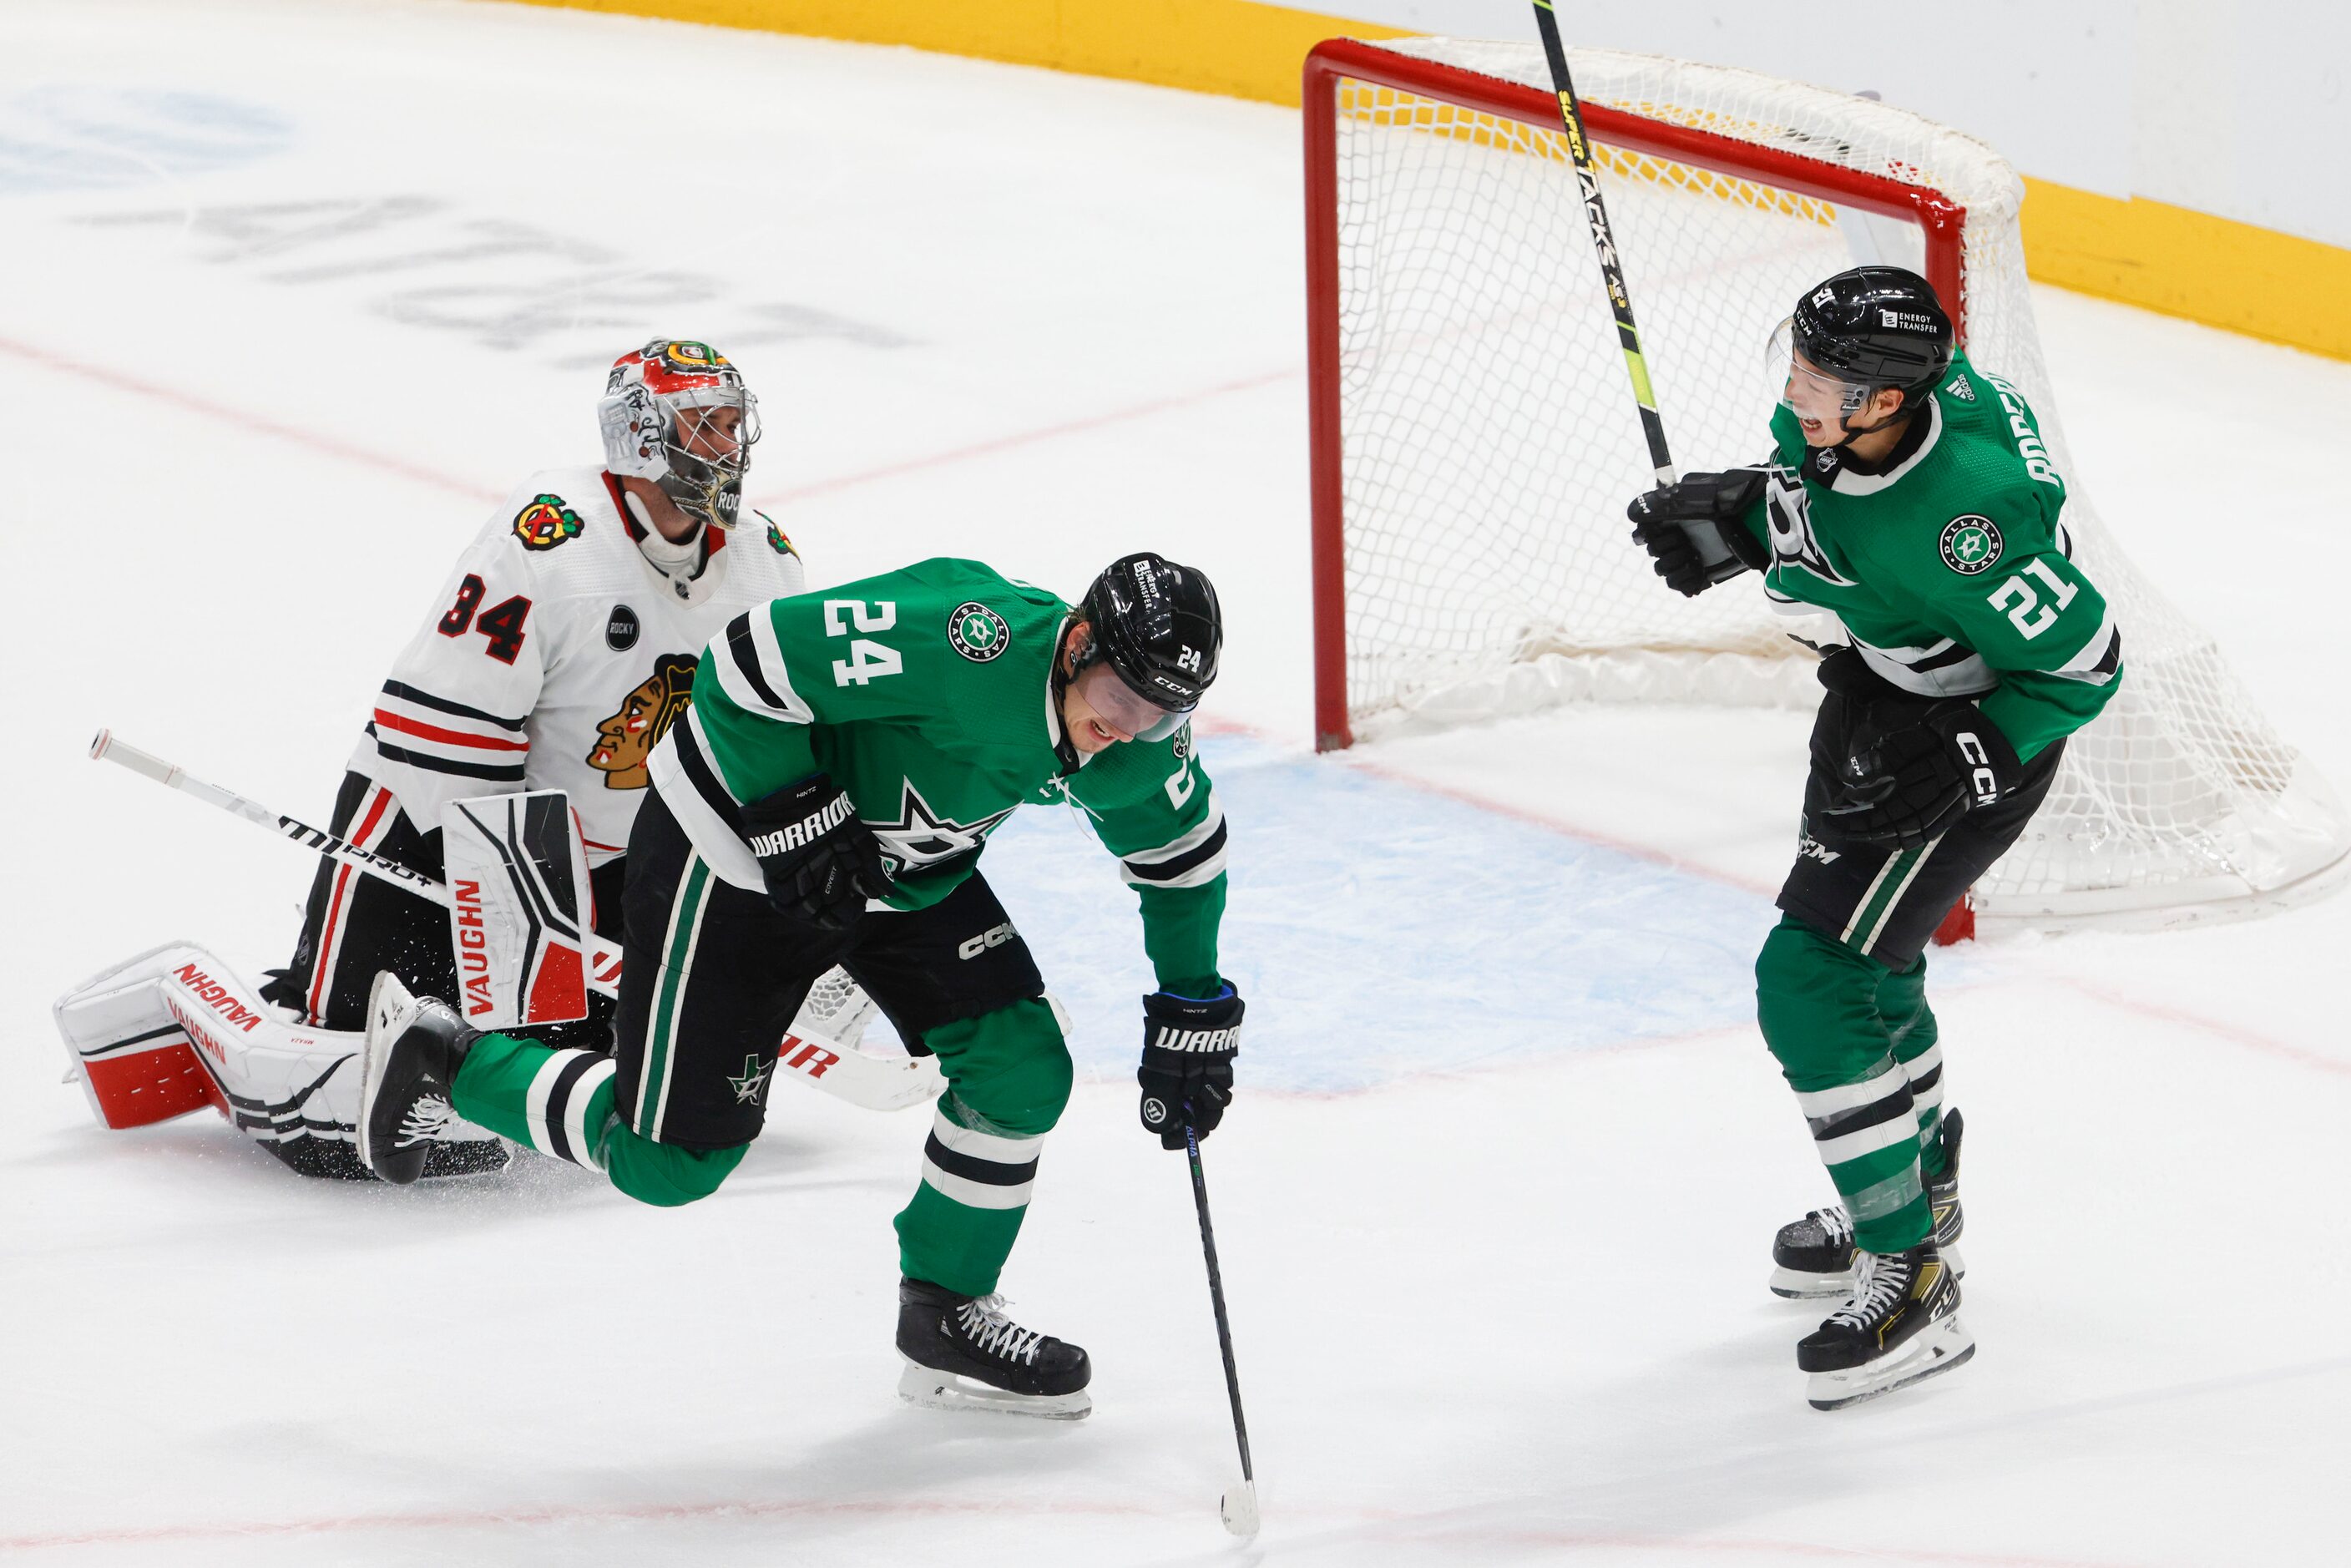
2160	257
2185	263
1234	48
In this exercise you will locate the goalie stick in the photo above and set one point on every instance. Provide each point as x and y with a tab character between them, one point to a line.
871	1082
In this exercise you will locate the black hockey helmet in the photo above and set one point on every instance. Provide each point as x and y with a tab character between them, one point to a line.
1158	625
1875	327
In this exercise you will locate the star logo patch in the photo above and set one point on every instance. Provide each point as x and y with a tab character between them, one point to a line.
1971	544
922	837
753	1082
978	633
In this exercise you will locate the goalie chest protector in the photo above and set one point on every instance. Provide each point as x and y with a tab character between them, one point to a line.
556	655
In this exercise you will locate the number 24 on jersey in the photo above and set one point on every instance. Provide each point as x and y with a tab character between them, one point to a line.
868	661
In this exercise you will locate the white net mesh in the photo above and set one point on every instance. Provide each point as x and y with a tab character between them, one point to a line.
1489	444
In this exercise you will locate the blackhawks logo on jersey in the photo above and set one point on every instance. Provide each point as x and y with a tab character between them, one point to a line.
625	739
1971	544
978	633
546	523
778	541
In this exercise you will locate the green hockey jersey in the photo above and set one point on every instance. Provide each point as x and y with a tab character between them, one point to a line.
1952	570
927	695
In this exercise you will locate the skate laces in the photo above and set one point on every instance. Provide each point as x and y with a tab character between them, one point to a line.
984	1324
1835	1224
426	1120
1880	1280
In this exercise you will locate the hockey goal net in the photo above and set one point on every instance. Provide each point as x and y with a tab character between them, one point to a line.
1475	442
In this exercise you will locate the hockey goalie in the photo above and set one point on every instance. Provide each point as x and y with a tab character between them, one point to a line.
560	649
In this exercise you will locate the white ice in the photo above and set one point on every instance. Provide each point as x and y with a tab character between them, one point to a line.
290	294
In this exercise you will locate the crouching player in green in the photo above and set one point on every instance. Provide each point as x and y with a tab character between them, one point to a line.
826	801
1911	496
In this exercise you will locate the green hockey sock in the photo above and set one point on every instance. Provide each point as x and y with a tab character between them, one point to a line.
1008	1077
1910	1024
1820	1006
560	1103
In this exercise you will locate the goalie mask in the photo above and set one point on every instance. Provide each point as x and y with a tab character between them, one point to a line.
1861	332
677	413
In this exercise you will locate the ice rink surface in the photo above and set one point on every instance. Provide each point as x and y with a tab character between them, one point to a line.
291	294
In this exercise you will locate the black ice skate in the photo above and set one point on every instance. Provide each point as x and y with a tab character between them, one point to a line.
1814	1256
1901	1326
412	1053
962	1354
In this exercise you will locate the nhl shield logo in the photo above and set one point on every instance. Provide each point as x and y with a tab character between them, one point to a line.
1971	544
978	633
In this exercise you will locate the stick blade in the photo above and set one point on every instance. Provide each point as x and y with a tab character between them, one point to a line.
1239	1509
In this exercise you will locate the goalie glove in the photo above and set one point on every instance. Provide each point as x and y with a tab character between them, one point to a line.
1692	532
1187	1075
1906	784
819	863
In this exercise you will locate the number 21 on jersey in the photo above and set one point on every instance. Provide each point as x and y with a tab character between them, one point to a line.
867	661
2025	610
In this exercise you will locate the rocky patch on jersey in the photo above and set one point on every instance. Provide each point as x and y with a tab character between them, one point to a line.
920	837
546	523
626	738
1971	544
978	633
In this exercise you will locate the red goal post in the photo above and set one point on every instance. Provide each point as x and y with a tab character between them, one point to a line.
1940	221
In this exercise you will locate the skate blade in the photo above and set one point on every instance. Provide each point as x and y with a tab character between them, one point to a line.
946	1391
1796	1285
390	1011
1937	1349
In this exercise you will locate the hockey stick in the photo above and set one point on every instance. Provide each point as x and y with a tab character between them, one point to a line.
871	1082
1713	553
1612	270
1240	1505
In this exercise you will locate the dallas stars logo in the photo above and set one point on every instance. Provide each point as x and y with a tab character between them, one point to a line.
978	633
754	1080
1971	544
922	837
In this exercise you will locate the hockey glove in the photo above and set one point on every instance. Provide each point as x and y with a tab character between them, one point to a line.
819	863
1187	1075
1692	532
1904	786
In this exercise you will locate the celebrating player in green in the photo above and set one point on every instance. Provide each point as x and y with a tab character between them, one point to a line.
825	801
1912	498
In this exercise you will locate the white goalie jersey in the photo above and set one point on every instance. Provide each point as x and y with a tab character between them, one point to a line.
557	653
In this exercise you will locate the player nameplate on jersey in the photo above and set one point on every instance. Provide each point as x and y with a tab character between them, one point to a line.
546	523
621	629
1971	544
978	633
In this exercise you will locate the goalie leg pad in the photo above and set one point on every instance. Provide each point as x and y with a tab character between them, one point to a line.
175	1028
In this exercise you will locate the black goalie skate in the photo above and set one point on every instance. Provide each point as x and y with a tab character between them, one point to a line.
411	1056
962	1354
1901	1326
1813	1257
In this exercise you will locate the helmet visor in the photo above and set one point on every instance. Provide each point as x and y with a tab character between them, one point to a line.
1802	386
1122	707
